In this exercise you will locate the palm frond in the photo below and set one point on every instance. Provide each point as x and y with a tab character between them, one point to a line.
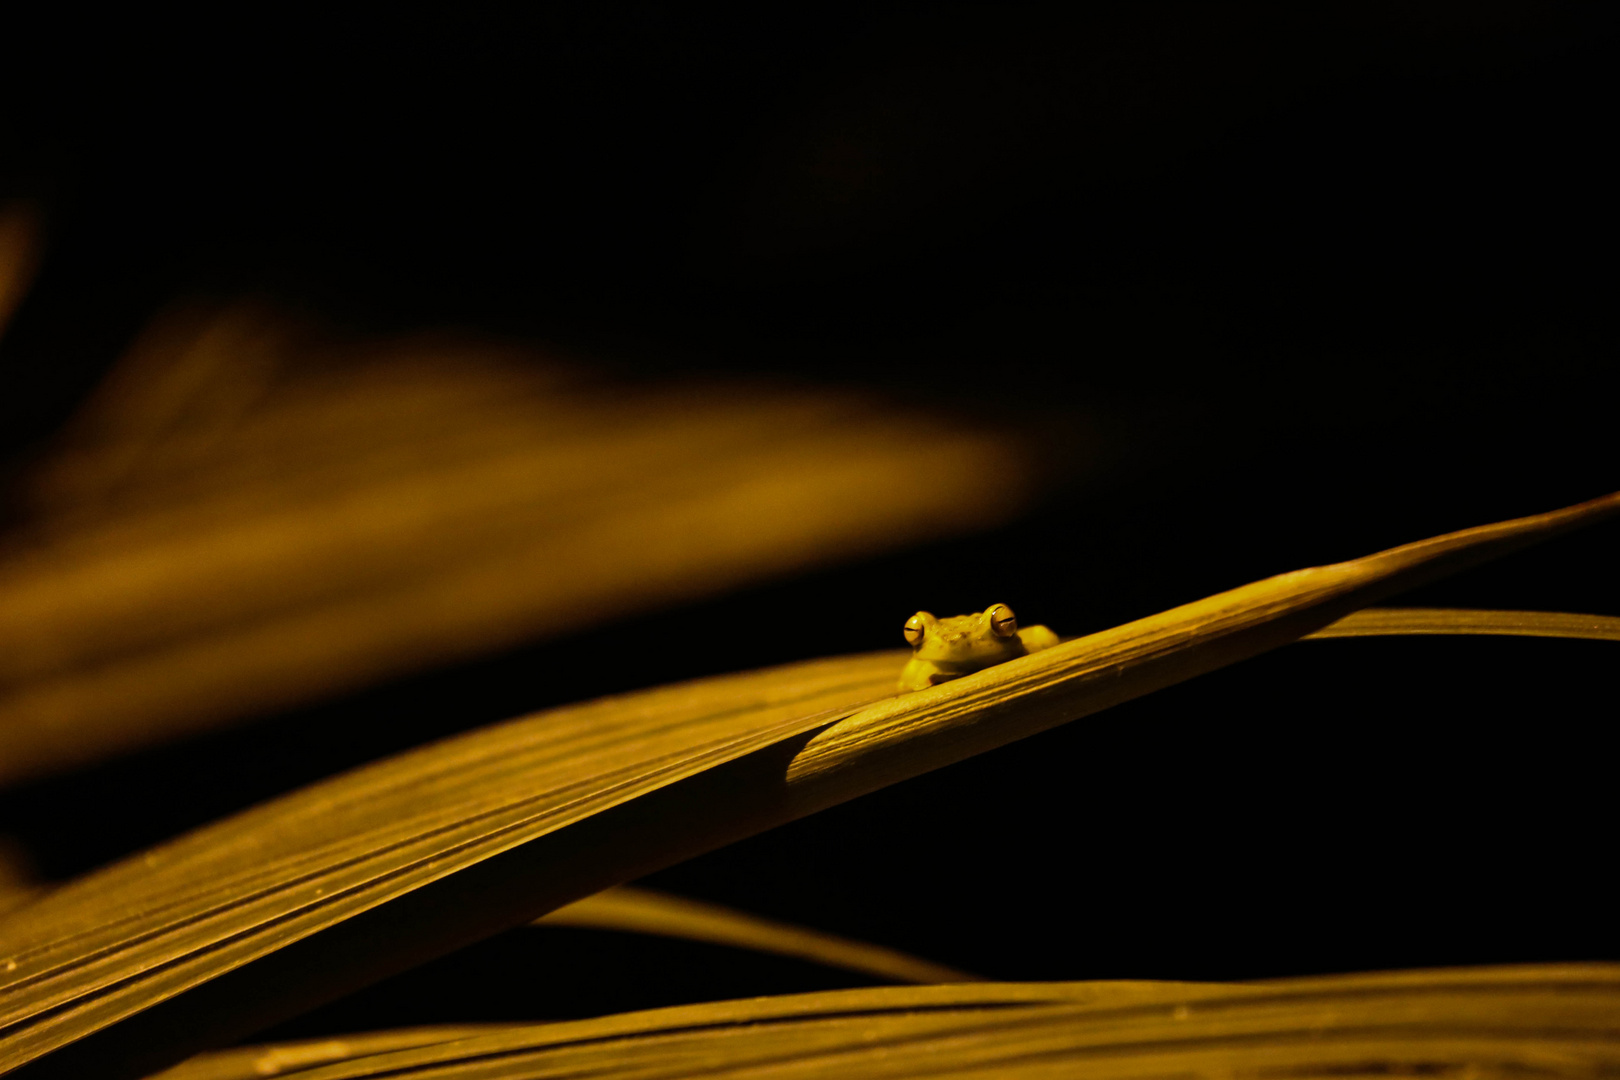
316	893
247	517
1382	622
644	911
1555	1020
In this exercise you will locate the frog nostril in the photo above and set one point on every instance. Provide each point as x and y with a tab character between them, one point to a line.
1003	623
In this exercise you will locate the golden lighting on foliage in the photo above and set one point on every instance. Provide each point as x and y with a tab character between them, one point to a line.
248	517
1385	622
1554	1020
261	915
644	911
251	514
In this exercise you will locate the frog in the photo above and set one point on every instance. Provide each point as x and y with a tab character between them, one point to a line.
949	648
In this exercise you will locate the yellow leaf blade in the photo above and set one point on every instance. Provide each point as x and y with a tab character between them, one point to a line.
914	733
1554	1020
235	528
347	881
1380	622
644	911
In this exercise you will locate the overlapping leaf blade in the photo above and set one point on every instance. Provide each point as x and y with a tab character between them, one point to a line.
645	911
243	520
616	787
1561	1020
1385	622
149	928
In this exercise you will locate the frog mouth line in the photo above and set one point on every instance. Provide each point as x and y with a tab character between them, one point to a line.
957	667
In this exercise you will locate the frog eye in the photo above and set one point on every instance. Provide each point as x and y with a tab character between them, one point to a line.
914	629
1003	623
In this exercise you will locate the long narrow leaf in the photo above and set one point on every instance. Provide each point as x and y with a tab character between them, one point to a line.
909	735
371	1054
348	881
644	911
236	525
290	1058
125	939
1552	1021
1380	622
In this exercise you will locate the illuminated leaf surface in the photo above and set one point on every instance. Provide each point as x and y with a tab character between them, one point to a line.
784	1015
911	734
121	940
1381	622
345	882
284	1059
1548	1021
644	911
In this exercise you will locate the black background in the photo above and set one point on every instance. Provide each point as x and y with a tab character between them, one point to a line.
1273	288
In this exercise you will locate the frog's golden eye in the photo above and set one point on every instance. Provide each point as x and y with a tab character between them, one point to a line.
914	629
1003	623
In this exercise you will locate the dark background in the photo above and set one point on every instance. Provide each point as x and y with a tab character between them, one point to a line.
1275	287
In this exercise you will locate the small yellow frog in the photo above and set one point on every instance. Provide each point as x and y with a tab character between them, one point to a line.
945	649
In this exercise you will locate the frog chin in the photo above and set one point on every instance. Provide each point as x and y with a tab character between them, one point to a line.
920	673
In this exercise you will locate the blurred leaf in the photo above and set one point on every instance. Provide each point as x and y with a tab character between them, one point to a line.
314	894
643	911
250	516
1379	622
17	883
19	256
1555	1020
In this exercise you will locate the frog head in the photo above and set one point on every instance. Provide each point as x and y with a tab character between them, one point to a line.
945	649
989	636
